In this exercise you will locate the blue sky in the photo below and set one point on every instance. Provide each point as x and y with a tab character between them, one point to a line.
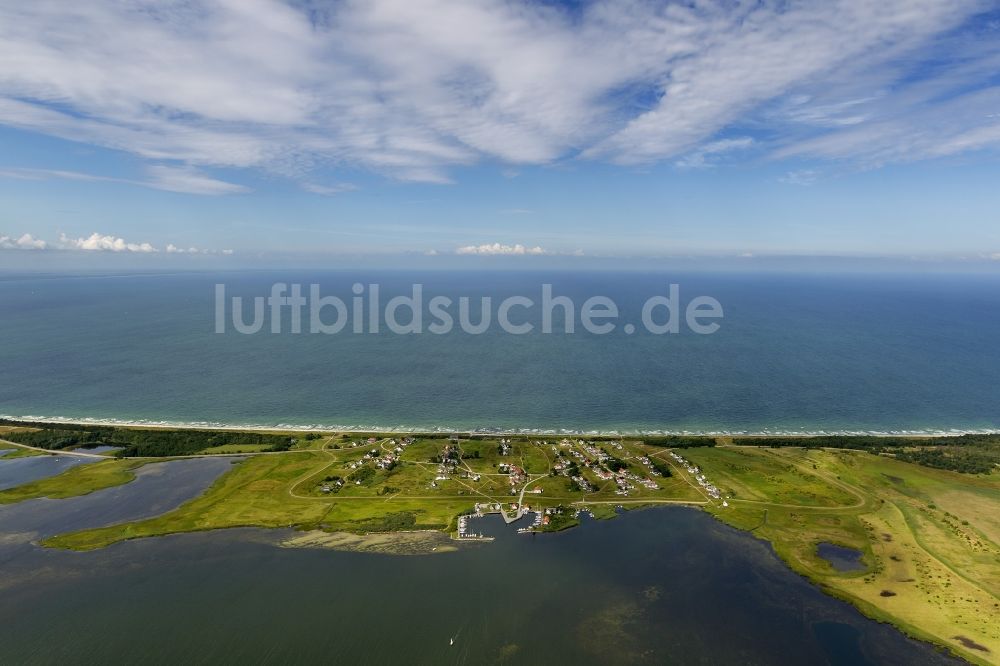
240	131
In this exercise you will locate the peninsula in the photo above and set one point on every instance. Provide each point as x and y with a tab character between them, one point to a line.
906	529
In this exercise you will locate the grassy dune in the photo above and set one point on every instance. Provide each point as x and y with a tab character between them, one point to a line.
750	475
928	536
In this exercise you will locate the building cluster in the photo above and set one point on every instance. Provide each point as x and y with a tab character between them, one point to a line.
626	482
696	472
389	460
372	441
332	485
517	475
382	459
644	460
589	455
594	451
647	482
482	508
368	457
602	473
448	463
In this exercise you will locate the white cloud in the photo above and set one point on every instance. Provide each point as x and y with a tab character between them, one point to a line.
702	157
760	53
173	249
410	88
499	248
98	243
188	181
25	242
45	174
172	179
800	177
329	190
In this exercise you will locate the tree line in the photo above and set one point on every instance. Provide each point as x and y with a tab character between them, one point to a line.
134	442
969	454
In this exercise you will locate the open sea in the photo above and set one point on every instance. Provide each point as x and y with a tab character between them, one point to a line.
794	353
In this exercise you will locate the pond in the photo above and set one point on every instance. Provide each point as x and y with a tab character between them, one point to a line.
841	558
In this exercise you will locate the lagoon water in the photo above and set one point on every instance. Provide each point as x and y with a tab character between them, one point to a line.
19	471
658	586
158	487
794	353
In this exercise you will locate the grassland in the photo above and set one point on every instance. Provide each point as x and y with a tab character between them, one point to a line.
74	482
928	537
287	489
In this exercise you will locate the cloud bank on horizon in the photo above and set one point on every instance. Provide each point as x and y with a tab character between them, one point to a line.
501	249
96	242
417	90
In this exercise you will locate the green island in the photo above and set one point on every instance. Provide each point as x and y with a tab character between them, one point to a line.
922	515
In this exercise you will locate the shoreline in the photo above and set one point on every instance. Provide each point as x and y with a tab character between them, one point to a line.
437	430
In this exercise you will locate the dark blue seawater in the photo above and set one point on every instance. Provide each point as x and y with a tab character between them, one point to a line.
794	353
